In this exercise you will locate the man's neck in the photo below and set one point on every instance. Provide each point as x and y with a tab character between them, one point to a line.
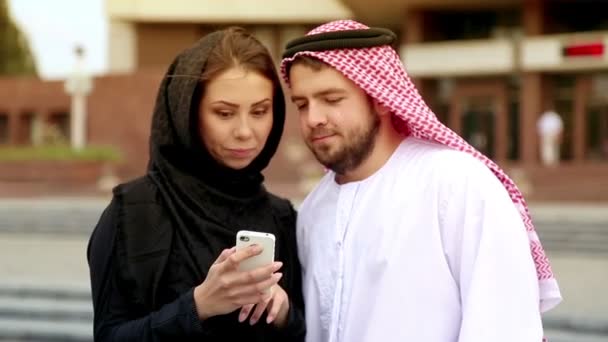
385	146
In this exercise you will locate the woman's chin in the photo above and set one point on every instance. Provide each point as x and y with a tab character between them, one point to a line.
238	164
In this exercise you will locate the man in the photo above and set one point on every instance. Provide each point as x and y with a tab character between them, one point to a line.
412	235
550	127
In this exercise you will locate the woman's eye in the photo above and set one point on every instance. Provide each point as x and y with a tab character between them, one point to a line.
260	112
223	113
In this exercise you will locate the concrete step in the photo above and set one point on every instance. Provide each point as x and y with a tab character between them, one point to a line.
44	330
49	220
576	324
46	308
31	313
59	292
554	335
566	182
574	237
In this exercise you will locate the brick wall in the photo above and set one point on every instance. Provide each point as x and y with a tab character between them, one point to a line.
119	114
120	110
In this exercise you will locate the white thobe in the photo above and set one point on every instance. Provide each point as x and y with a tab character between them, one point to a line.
429	248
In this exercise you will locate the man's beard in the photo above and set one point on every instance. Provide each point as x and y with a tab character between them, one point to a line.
357	147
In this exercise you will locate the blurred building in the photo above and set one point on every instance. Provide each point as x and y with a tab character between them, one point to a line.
149	33
489	69
144	37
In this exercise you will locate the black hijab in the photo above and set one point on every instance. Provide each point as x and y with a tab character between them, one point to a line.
179	161
207	202
172	224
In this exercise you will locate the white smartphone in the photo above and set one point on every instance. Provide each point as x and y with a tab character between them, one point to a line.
245	238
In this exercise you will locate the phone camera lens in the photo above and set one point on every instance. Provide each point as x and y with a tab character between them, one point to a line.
244	238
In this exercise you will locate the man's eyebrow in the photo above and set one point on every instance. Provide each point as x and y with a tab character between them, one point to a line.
320	93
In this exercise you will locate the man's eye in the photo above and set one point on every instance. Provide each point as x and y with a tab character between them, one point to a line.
333	100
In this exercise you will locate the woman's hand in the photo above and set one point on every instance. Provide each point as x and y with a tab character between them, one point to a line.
277	305
226	289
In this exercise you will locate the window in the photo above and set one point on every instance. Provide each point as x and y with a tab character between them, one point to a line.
576	16
563	103
597	119
4	128
24	128
57	128
481	24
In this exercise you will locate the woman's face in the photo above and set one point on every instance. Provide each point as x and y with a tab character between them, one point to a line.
235	116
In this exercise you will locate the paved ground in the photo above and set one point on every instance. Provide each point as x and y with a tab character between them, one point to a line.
52	263
44	288
43	269
583	281
44	260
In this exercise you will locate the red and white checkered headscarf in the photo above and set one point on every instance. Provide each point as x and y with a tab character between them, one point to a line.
379	72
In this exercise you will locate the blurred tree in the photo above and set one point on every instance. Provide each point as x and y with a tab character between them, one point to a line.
15	55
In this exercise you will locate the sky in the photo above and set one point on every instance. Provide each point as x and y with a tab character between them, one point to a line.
55	27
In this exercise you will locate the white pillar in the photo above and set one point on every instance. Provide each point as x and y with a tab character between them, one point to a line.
122	47
78	121
78	85
37	129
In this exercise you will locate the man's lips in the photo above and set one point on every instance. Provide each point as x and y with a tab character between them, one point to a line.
319	138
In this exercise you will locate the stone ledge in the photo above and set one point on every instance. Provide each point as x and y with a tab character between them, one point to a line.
587	325
52	171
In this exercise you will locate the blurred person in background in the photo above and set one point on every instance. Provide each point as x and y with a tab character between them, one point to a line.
550	127
161	258
413	235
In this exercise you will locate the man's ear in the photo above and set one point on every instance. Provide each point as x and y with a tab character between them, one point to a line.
381	109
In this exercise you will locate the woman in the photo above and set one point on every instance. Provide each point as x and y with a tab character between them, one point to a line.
161	262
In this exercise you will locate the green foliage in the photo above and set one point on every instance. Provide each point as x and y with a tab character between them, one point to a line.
15	55
58	152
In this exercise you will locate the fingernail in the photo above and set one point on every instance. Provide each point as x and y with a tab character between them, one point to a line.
269	319
278	276
278	265
242	317
253	321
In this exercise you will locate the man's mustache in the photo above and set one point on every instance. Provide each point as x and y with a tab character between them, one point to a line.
321	132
